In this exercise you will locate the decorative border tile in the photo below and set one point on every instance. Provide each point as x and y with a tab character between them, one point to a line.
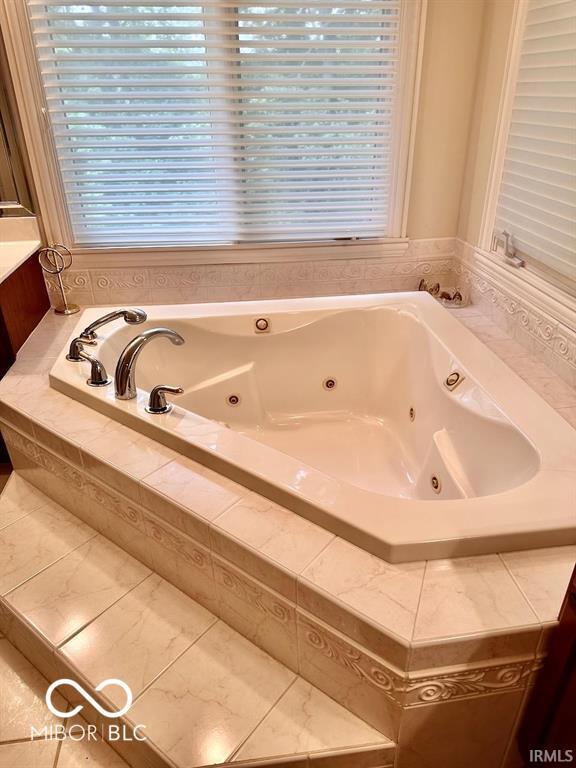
258	613
170	539
249	281
316	641
464	683
363	666
475	682
525	321
246	591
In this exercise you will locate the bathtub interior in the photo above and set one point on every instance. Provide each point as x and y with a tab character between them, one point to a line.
388	424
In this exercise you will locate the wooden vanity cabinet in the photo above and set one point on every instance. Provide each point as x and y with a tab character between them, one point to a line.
23	303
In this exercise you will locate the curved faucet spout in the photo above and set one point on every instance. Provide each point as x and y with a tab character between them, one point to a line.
125	376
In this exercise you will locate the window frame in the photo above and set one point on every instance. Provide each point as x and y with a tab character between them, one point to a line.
52	203
533	270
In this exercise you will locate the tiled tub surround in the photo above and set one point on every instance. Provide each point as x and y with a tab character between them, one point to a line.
377	637
506	462
90	611
93	612
321	276
528	316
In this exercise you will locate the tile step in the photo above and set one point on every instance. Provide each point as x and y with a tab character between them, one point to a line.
80	607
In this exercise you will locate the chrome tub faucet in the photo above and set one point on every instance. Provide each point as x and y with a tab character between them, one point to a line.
76	353
131	316
125	376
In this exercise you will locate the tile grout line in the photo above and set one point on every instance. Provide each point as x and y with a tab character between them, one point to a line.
419	603
57	755
519	588
26	514
356	613
300	573
57	646
25	739
192	644
4	595
276	702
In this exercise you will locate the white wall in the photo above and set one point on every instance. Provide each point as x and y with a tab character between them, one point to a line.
454	30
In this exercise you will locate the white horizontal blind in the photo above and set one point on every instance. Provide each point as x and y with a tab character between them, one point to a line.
537	201
182	123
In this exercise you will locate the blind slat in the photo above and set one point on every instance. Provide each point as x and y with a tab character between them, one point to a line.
537	201
221	121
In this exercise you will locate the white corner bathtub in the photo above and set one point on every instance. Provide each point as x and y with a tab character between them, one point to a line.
341	412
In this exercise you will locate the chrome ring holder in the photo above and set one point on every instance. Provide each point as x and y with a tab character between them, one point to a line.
54	260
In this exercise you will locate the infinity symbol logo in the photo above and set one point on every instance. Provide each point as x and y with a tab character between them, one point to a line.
86	695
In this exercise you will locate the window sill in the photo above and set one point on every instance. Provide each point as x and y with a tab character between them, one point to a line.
90	258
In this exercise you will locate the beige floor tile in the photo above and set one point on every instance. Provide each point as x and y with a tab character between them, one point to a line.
73	591
202	708
35	541
28	754
306	720
543	576
18	498
22	692
138	636
90	754
469	595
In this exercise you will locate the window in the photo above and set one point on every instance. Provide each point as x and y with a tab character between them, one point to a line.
175	123
537	198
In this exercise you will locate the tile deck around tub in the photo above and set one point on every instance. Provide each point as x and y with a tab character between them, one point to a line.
386	593
274	531
184	667
542	575
283	551
469	595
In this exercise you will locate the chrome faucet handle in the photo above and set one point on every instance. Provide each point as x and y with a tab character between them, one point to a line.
131	316
157	401
76	347
98	375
